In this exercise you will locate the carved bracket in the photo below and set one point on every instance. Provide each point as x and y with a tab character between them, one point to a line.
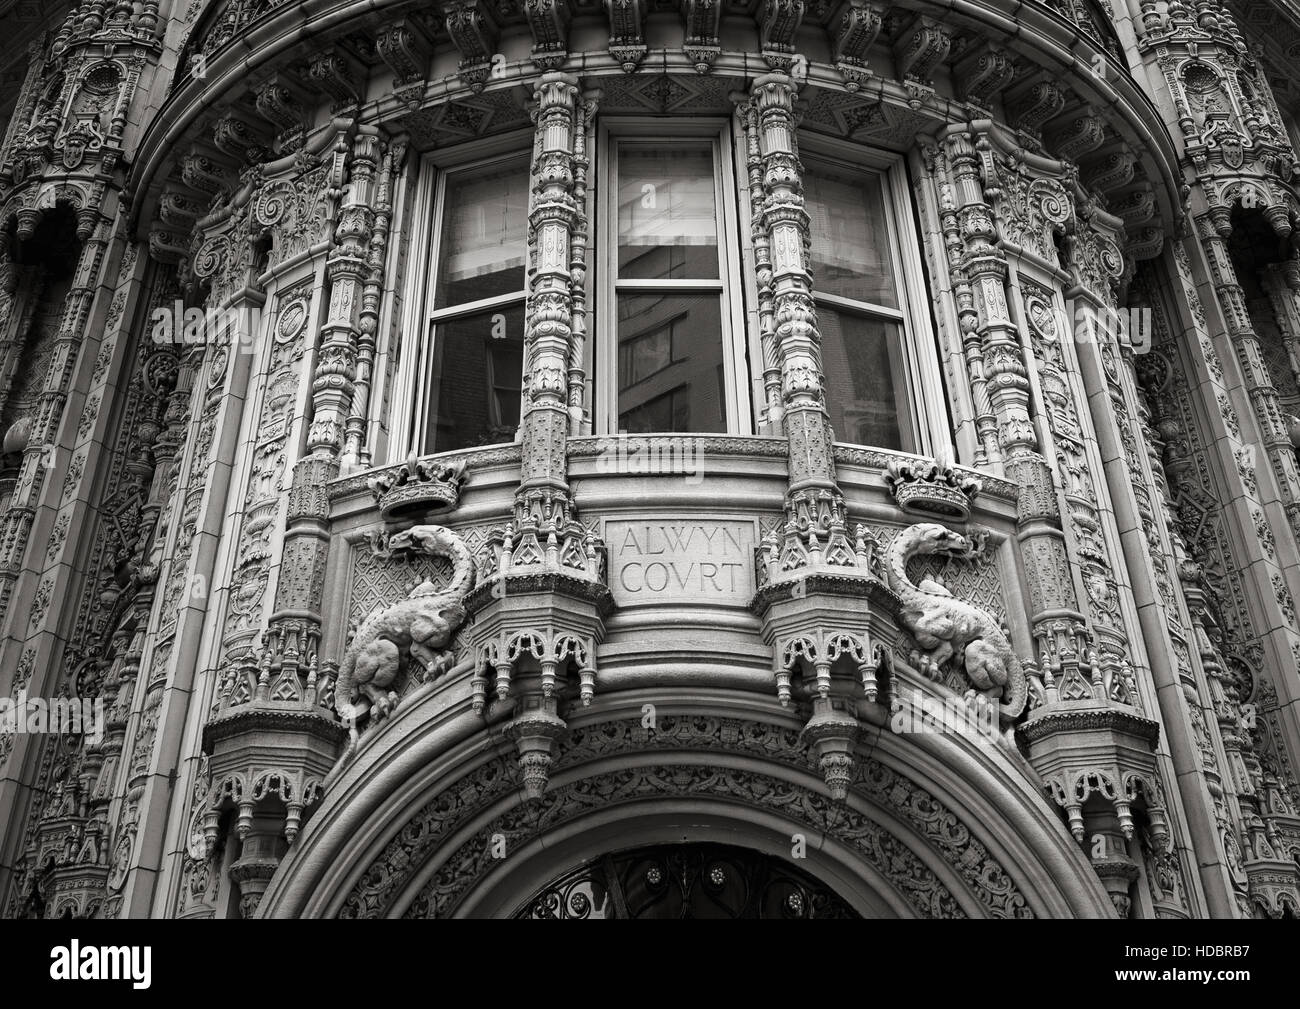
475	33
853	29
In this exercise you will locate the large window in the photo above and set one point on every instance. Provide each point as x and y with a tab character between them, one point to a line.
857	288
670	291
471	378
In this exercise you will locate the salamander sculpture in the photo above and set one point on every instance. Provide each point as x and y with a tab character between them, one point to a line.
418	626
947	628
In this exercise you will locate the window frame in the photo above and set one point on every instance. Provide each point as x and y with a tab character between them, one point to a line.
924	429
415	390
602	353
927	421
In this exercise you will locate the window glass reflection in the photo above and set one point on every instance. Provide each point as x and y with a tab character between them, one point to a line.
670	370
478	364
860	359
851	255
667	214
484	234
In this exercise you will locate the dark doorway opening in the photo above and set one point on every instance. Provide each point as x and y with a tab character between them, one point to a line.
687	881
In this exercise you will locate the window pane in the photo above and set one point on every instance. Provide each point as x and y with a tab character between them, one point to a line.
670	372
862	363
476	379
667	215
484	234
851	255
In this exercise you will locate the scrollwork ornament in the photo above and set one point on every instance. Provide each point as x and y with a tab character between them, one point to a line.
273	202
210	258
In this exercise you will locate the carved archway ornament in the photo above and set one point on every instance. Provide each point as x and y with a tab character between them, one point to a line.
431	819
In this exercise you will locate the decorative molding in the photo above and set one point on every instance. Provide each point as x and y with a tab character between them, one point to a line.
462	800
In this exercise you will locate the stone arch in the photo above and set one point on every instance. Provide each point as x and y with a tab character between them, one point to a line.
933	826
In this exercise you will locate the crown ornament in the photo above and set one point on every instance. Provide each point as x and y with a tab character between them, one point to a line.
418	488
929	487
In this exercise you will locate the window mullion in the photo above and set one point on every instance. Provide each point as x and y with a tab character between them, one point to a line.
860	307
650	286
482	305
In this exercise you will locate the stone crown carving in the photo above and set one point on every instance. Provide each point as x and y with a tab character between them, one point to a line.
931	487
418	487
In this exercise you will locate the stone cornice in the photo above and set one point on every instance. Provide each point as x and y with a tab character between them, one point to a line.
1096	718
1041	36
852	586
554	582
263	719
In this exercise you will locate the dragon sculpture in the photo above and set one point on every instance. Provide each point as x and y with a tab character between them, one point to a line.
947	628
418	626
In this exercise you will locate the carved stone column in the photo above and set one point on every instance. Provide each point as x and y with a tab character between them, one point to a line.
1184	382
17	521
1281	282
356	453
999	378
539	611
813	576
1186	668
1259	385
772	412
813	499
273	740
984	423
545	421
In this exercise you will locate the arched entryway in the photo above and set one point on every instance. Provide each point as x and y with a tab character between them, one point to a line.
429	818
686	881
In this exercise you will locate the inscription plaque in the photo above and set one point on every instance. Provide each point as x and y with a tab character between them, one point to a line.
672	561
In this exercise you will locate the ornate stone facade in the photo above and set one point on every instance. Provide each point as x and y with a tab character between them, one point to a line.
1041	662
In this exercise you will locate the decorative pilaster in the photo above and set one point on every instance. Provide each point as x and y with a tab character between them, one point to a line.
17	521
355	451
346	273
999	376
772	412
813	499
1259	385
539	610
1240	745
1192	769
579	415
813	578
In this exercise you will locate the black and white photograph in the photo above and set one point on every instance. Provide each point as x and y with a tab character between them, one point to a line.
649	459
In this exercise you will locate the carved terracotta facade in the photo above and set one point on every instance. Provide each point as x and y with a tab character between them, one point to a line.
338	680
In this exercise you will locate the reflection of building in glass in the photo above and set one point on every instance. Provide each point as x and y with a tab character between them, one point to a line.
615	413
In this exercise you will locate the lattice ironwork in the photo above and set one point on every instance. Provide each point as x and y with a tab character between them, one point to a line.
686	881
